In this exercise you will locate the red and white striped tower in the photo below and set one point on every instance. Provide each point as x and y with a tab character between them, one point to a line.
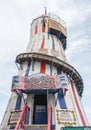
46	92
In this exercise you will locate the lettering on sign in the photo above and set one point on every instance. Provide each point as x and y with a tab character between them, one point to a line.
43	82
66	117
40	81
14	117
43	51
55	25
62	80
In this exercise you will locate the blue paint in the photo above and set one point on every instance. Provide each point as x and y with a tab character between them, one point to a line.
19	98
12	127
41	116
61	99
58	71
48	33
53	44
20	64
51	118
18	102
32	64
59	35
26	116
28	68
56	100
52	126
50	69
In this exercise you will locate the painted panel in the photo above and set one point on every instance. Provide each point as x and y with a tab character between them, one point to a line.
66	117
14	117
53	24
43	51
57	26
41	81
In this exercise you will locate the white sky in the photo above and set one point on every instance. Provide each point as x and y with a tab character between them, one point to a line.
15	19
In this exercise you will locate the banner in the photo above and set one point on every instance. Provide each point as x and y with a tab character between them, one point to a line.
40	81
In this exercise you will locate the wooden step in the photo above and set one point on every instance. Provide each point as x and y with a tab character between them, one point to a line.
36	127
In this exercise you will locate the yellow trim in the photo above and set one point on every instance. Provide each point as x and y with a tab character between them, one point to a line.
73	122
12	112
36	126
56	23
58	26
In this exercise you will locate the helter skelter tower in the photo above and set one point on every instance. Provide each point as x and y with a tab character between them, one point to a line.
46	92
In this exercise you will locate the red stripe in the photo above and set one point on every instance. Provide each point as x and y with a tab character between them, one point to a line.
36	29
43	27
42	67
78	107
43	42
49	117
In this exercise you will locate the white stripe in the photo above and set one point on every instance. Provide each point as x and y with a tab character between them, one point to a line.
80	105
79	123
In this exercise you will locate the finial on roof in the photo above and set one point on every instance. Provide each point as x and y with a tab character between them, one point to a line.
45	10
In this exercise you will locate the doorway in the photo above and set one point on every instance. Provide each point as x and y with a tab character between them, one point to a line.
40	109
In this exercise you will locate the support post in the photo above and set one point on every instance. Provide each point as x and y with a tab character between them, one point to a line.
49	117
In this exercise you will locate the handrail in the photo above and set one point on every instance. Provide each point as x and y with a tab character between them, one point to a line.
21	117
49	117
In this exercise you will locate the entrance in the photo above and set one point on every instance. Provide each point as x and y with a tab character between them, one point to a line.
40	109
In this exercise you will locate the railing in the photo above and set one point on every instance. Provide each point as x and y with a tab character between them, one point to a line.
20	118
49	117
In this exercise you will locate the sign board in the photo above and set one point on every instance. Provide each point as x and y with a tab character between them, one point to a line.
66	117
62	80
43	51
55	53
40	108
77	128
14	117
57	26
40	81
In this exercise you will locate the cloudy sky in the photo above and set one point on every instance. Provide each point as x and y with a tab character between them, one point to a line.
15	19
